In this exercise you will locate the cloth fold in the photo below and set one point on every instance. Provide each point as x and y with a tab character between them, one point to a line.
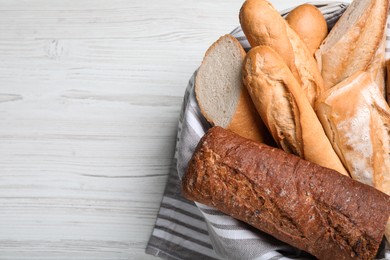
188	230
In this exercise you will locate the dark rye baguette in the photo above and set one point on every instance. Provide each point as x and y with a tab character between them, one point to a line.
308	206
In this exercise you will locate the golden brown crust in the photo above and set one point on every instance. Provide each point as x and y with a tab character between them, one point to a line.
377	66
263	25
247	122
312	83
356	48
284	109
308	206
309	23
356	118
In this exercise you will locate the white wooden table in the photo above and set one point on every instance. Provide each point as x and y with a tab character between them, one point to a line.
90	93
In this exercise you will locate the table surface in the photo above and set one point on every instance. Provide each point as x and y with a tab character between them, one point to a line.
90	93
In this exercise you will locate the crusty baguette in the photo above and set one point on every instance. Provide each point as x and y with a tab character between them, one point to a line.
309	23
256	18
310	207
285	111
220	94
353	41
356	118
263	25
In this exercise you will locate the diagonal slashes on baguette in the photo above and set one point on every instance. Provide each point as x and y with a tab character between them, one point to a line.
285	110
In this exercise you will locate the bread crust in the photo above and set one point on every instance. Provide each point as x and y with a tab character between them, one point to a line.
285	111
377	66
356	118
263	25
305	205
357	46
309	23
247	122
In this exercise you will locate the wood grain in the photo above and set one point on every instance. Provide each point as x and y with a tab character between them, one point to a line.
90	93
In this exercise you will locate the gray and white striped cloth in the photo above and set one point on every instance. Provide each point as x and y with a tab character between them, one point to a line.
188	230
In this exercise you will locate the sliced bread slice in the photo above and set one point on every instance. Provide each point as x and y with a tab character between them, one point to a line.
221	96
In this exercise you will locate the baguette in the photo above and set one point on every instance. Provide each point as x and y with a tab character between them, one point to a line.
284	109
356	118
303	204
263	25
220	94
309	23
352	43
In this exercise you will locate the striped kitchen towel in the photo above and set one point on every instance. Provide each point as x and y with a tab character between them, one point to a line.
188	230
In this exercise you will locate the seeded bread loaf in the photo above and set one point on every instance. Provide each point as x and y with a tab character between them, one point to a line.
310	207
